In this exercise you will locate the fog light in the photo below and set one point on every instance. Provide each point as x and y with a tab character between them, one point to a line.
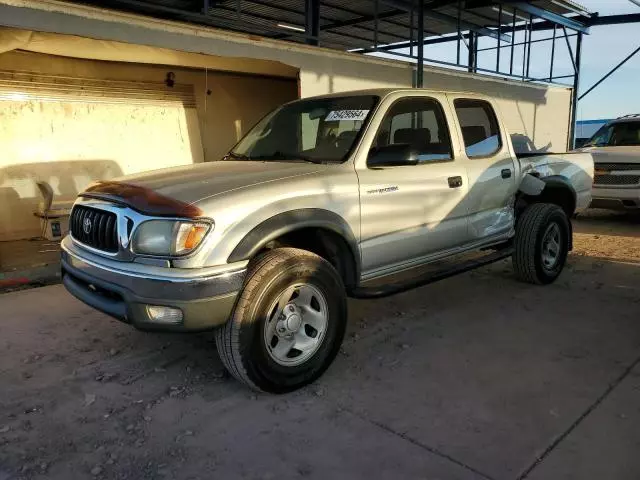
164	314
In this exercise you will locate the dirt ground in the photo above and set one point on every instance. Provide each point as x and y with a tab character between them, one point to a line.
475	377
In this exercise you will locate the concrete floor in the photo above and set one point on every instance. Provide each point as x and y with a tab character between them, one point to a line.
475	377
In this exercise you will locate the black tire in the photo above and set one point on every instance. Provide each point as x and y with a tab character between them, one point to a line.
240	341
528	259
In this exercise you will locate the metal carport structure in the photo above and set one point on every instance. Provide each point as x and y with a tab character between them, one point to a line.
404	29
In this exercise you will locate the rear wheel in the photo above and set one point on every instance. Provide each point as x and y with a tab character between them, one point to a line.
288	324
541	243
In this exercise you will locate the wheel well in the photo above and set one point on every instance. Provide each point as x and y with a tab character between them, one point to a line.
325	243
555	194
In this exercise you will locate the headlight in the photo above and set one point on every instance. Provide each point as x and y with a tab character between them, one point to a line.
168	237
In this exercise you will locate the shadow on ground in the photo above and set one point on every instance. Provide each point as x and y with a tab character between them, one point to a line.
604	222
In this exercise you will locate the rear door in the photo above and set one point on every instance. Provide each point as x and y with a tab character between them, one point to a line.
490	167
411	212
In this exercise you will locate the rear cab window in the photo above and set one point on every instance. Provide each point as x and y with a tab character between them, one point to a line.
479	126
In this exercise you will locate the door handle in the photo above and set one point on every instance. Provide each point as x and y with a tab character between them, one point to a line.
455	182
506	173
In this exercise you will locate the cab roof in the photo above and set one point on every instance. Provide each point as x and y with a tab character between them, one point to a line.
383	92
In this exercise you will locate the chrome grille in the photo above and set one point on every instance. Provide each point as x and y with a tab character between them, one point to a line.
95	228
616	179
617	166
603	174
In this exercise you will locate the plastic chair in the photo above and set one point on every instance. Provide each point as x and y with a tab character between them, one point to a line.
48	209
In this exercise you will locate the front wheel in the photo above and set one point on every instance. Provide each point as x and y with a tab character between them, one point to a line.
288	323
541	243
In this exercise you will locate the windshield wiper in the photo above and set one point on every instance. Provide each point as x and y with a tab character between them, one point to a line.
237	156
278	155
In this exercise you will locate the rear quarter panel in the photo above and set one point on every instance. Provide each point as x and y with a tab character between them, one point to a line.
576	167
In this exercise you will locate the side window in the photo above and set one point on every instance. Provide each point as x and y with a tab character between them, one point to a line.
419	122
479	127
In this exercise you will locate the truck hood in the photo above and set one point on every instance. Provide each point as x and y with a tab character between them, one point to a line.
630	154
192	183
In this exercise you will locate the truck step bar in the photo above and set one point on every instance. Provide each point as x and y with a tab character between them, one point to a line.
431	277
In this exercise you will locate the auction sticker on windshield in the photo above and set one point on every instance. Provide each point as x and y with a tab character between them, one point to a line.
357	115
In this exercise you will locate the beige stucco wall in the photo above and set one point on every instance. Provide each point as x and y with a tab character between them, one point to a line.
72	143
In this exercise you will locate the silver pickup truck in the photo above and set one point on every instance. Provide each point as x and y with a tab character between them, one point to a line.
360	194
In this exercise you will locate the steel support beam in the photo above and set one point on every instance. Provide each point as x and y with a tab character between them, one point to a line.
529	46
614	19
553	54
513	37
527	38
407	44
472	64
498	50
458	32
589	22
551	16
573	59
576	85
420	66
611	72
376	22
312	21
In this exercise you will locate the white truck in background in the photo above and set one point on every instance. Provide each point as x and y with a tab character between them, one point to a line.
616	153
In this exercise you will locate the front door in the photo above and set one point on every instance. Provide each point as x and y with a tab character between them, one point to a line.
490	169
411	212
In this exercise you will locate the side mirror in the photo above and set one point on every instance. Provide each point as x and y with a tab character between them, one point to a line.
398	155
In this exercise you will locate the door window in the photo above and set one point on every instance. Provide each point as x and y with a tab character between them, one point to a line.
419	122
479	127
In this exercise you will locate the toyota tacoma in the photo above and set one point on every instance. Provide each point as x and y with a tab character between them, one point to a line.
359	194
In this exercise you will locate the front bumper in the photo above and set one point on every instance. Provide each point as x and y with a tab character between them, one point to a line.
205	297
616	198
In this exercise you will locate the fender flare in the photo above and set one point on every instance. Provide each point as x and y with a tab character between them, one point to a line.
534	186
287	222
561	182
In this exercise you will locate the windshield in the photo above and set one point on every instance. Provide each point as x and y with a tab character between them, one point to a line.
616	135
316	130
